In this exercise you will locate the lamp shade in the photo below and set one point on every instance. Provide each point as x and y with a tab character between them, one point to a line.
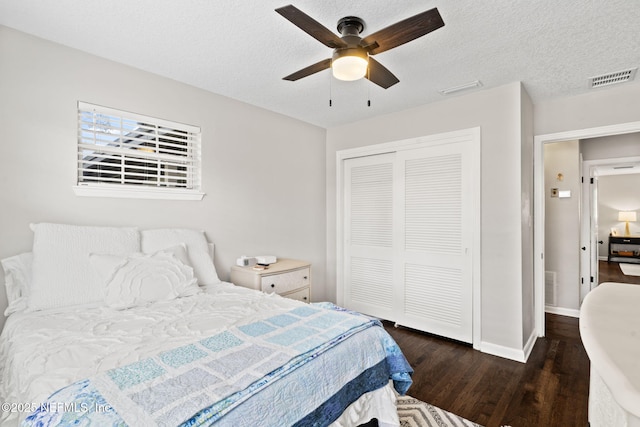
350	64
627	216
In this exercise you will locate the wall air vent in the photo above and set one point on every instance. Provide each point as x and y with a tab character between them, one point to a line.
612	78
550	288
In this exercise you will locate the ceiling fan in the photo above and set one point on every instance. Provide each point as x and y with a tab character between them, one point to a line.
351	59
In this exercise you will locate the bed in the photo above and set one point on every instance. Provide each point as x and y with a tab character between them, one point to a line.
120	326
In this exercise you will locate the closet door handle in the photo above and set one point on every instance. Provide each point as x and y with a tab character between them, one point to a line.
584	248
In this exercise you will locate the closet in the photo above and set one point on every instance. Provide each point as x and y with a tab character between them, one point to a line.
410	232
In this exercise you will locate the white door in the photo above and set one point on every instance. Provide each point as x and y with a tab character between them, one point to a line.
408	237
368	235
589	244
435	233
587	249
595	243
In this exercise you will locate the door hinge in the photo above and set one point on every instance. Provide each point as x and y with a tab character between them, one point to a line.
592	279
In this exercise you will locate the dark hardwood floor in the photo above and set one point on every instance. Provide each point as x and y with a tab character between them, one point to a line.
610	272
550	390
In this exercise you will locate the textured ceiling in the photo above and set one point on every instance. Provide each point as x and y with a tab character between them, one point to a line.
242	49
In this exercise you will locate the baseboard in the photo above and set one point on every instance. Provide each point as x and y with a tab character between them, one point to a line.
528	347
571	312
502	351
509	352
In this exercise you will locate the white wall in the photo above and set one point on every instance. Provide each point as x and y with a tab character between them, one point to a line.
611	147
526	216
562	220
600	107
263	173
501	115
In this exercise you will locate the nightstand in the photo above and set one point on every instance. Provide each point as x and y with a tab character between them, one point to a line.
624	249
289	278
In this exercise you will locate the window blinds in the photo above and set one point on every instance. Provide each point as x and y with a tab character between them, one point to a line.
118	148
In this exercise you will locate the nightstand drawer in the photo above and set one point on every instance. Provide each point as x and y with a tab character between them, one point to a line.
301	295
287	277
286	282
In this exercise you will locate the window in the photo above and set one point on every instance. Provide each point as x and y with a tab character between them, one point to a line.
123	154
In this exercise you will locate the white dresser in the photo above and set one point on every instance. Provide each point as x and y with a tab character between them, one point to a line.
289	278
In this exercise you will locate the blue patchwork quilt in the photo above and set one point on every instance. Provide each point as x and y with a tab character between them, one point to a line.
302	367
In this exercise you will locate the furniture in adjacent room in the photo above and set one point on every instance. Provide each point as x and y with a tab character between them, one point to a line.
609	320
624	249
289	278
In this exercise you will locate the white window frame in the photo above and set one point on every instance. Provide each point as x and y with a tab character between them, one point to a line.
163	188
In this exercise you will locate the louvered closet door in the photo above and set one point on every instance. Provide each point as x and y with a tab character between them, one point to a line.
434	260
409	236
368	233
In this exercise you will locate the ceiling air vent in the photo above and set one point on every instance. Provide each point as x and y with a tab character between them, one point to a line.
612	78
454	89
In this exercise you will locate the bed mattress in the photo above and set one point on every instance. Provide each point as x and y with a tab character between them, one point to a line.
44	351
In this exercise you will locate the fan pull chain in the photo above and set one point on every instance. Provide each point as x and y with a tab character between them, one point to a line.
330	100
368	87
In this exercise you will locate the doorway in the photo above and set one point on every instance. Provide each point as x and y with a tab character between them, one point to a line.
562	226
539	203
616	182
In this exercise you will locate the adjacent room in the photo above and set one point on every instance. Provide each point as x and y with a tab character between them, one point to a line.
370	213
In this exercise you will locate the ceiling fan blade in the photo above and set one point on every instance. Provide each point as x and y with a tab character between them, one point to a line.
403	31
311	26
311	69
379	74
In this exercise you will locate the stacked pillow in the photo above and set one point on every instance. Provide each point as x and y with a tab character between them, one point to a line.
119	267
197	249
17	277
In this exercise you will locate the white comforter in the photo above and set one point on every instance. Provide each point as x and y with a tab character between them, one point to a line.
45	351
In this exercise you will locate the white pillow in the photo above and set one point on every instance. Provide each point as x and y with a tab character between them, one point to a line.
197	249
17	280
139	279
62	273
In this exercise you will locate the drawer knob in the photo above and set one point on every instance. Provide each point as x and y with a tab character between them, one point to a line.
305	277
304	298
273	285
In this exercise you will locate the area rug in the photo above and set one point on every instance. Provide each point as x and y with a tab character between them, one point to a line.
416	413
630	269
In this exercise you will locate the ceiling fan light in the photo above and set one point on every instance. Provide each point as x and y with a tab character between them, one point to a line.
349	64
